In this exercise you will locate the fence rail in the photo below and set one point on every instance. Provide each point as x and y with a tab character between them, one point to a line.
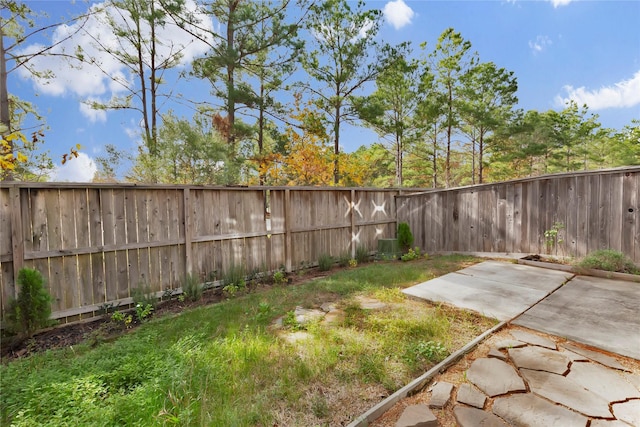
96	243
589	211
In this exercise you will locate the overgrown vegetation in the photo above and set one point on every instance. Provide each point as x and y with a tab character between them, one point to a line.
191	288
224	365
31	310
609	260
234	279
325	262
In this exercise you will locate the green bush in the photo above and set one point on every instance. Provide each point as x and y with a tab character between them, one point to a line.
32	309
609	260
191	288
405	237
143	296
362	254
279	277
343	259
234	279
325	262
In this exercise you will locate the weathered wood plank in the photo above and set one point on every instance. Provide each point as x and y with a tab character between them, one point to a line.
629	212
593	224
604	203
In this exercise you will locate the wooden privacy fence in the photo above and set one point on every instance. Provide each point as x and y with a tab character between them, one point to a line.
96	243
589	211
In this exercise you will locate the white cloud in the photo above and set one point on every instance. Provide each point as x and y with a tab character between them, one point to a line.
105	76
91	114
398	13
540	44
558	3
79	169
624	94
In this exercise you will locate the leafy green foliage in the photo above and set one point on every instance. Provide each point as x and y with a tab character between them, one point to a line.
279	277
405	237
553	237
609	260
31	310
412	253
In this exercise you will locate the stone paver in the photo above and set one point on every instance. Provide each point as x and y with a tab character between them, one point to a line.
564	391
533	339
602	313
633	379
529	379
417	416
370	303
608	423
530	410
305	316
510	344
597	356
469	395
334	317
574	357
440	394
472	417
606	383
539	359
629	412
494	377
494	352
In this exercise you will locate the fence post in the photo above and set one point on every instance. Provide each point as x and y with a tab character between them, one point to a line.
17	236
188	268
287	230
353	223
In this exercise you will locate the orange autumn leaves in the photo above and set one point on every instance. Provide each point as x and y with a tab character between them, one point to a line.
308	157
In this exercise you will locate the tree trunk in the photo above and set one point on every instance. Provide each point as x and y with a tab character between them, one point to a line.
5	118
153	84
447	163
231	103
336	147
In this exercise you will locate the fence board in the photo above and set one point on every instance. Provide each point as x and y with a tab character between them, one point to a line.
597	209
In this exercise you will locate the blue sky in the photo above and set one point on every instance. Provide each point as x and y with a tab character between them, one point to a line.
588	51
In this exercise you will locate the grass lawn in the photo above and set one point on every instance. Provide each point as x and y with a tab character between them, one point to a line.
226	365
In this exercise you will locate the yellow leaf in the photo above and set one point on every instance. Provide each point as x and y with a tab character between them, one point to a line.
22	157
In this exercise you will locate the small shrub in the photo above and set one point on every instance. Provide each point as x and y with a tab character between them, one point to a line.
32	309
234	280
362	254
411	254
143	295
353	262
609	260
191	288
343	259
279	278
325	262
143	312
119	317
405	237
